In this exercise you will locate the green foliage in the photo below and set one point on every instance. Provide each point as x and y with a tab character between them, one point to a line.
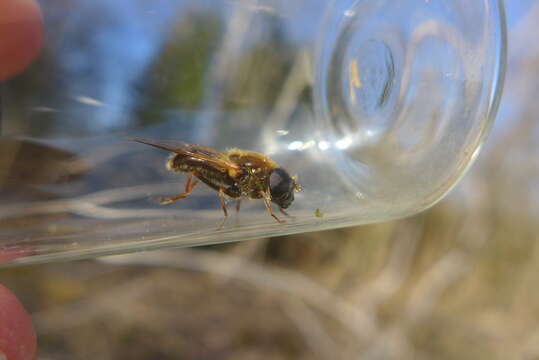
189	69
176	79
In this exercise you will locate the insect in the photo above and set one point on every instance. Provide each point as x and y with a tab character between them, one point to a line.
233	174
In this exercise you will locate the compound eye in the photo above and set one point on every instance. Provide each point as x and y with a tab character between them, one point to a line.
281	187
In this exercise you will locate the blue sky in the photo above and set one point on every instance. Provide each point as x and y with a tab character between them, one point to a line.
124	38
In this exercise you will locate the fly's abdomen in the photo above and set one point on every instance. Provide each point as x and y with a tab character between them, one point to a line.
219	182
187	164
215	179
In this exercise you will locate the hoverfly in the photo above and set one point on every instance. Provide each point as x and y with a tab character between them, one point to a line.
233	174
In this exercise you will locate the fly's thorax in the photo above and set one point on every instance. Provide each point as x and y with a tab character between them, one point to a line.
250	159
253	182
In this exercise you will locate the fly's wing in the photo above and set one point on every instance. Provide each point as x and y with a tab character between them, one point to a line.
206	155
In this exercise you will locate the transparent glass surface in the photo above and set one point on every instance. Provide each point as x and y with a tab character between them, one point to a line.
378	107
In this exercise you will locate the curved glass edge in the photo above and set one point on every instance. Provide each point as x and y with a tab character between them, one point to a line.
499	25
497	86
179	241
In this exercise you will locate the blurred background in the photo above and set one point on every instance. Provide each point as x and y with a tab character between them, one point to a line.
456	282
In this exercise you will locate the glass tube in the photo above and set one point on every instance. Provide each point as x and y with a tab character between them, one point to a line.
378	107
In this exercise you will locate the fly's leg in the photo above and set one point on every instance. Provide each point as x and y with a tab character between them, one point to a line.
189	186
222	199
270	211
238	204
284	212
223	206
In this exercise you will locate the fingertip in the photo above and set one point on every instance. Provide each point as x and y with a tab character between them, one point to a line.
21	36
17	335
